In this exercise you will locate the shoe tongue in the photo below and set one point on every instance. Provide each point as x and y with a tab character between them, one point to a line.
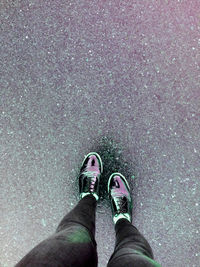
117	194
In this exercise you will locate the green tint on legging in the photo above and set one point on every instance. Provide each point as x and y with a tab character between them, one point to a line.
154	263
81	235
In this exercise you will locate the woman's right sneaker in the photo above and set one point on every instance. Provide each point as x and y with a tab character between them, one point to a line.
120	197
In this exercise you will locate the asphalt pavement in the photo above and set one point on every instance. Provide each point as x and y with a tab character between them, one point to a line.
121	78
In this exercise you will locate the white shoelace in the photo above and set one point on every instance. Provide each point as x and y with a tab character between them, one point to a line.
93	175
120	205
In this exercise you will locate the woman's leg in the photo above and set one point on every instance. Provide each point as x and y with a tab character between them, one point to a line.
131	248
73	244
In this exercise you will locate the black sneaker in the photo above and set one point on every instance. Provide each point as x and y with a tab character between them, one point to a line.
120	197
89	177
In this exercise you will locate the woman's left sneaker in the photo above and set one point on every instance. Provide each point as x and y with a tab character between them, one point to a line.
89	177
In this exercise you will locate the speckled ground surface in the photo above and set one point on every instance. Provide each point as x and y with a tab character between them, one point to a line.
121	78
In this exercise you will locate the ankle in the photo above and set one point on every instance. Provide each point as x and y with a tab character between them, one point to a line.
126	216
82	195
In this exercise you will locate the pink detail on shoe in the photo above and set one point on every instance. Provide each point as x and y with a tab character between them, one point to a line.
121	190
96	167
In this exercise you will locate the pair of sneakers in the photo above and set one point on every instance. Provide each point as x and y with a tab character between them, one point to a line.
118	187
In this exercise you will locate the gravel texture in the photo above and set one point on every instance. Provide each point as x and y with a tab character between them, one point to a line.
121	78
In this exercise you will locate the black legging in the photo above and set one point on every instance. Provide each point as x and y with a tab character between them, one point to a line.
74	243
